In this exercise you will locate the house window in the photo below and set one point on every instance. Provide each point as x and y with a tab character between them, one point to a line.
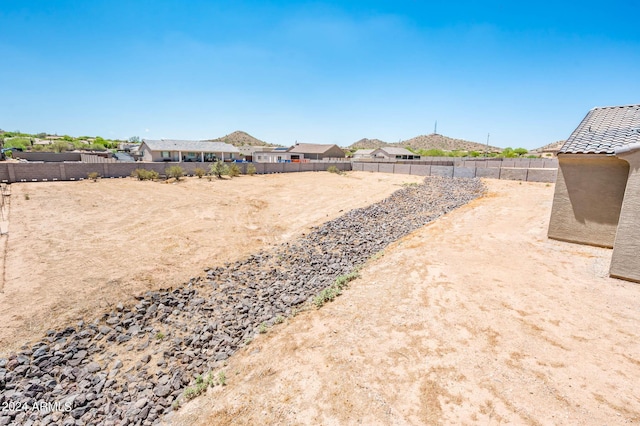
165	154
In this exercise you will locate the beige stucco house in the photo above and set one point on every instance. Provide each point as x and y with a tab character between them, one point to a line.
278	155
597	194
394	153
312	151
179	150
363	154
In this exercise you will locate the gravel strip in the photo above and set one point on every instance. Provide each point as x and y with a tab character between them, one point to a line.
132	364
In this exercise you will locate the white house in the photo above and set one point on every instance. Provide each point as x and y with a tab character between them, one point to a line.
180	150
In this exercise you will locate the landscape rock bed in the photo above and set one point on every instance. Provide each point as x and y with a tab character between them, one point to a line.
132	364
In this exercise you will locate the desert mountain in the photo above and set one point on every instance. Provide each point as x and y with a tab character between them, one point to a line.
426	142
240	138
552	147
368	144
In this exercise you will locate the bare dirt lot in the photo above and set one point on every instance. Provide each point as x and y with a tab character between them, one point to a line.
477	318
75	248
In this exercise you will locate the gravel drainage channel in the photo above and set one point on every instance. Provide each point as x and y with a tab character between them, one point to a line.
132	365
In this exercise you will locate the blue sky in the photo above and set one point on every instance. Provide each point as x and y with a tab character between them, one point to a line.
318	72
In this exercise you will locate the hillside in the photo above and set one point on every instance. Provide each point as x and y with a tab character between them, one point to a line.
240	138
368	144
436	141
426	142
552	147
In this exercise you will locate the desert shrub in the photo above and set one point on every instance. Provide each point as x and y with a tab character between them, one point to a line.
218	169
334	169
93	176
59	146
144	174
233	170
251	170
199	171
18	142
175	172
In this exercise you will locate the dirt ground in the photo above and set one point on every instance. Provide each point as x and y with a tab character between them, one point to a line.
76	248
477	318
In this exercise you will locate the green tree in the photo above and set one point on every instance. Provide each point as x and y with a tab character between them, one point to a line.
218	169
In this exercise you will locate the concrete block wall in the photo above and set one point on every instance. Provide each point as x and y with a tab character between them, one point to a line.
54	157
542	175
445	171
420	170
29	172
508	173
466	170
488	172
404	169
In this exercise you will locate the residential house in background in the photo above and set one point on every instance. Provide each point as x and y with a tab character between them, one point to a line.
279	155
597	193
363	154
248	152
312	151
394	153
181	150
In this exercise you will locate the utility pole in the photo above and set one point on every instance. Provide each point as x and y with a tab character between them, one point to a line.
486	154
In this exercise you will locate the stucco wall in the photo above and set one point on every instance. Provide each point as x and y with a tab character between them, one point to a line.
588	198
625	261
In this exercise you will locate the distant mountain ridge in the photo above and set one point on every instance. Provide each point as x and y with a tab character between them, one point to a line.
240	138
426	142
369	144
552	147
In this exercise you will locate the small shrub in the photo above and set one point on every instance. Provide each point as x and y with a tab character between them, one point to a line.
201	385
218	169
26	197
199	171
233	170
333	291
334	169
144	174
174	172
279	319
222	378
160	335
93	176
262	328
251	170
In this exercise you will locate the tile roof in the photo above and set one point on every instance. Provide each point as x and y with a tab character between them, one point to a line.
605	130
363	152
311	148
189	146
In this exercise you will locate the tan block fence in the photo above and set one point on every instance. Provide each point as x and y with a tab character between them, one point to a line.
43	172
532	170
523	169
